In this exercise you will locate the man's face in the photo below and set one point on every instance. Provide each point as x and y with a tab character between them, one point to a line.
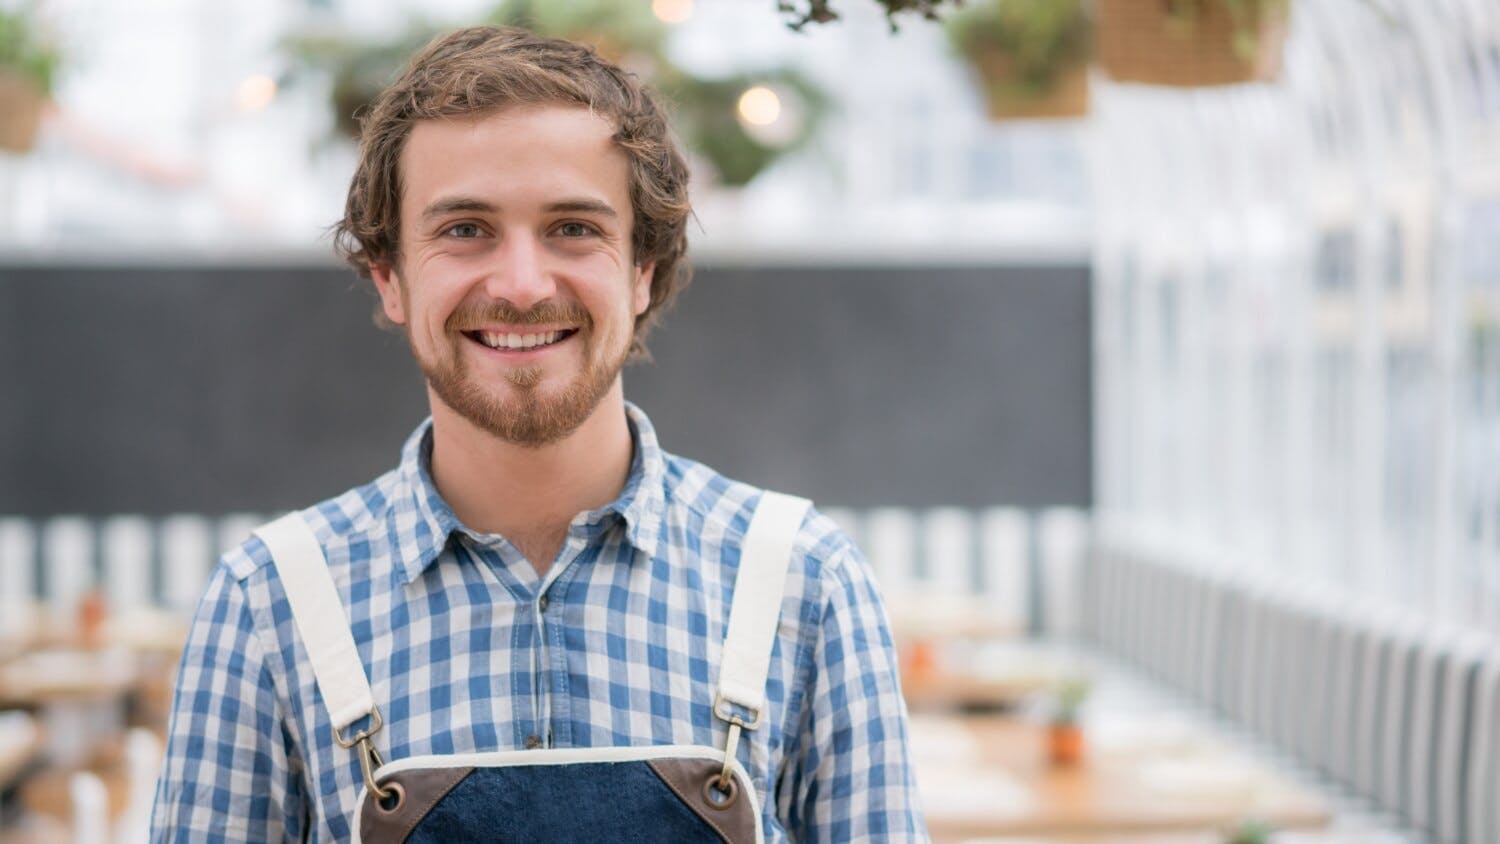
515	282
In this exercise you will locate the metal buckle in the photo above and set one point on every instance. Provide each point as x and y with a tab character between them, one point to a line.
733	718
369	757
362	735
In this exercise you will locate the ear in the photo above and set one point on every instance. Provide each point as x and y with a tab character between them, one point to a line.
388	284
641	296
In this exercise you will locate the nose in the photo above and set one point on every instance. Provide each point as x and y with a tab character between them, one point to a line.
518	274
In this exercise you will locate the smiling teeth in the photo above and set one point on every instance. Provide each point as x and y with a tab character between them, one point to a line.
512	342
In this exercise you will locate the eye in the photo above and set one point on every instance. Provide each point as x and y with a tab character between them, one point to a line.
575	229
463	230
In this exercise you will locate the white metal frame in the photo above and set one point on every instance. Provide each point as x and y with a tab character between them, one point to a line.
1298	310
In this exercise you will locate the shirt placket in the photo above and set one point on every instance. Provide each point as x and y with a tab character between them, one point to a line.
551	678
522	684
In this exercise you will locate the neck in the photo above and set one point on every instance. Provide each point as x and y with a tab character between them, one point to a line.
494	486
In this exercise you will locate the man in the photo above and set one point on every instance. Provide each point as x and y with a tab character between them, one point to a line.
537	572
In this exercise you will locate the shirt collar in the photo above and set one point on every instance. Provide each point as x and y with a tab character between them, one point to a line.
423	528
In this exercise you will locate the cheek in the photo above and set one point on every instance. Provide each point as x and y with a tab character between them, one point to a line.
433	304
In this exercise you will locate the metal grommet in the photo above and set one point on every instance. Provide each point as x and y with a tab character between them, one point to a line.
392	799
720	793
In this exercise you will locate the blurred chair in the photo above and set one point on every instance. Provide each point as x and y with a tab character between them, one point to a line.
90	815
994	571
1394	708
127	561
143	759
186	542
1483	821
68	571
17	576
1004	565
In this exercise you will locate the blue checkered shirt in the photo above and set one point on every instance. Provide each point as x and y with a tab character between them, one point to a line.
467	650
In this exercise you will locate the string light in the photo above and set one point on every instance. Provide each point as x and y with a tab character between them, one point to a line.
254	93
759	106
672	11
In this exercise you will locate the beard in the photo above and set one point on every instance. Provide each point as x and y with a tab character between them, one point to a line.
532	416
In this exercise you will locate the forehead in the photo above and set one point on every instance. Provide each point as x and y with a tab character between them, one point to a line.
513	156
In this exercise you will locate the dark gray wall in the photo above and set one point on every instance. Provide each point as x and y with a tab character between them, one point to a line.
215	389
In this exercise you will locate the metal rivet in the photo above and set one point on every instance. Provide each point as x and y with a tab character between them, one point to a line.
720	794
392	799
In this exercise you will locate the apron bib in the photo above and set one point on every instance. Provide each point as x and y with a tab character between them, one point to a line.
610	794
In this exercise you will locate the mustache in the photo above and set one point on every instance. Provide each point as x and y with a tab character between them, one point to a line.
477	315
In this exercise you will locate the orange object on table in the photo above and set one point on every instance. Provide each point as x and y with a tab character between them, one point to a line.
93	610
921	659
1065	744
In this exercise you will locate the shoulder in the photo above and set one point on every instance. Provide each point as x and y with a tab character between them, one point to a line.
349	527
717	509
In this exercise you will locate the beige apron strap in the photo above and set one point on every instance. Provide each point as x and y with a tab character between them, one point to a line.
324	628
754	612
320	619
756	605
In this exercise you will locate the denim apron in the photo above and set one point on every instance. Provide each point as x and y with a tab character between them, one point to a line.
672	793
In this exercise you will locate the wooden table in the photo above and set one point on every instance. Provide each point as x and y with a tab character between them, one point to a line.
956	672
58	675
936	689
139	630
988	775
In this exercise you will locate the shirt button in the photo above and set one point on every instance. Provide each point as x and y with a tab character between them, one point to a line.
533	742
542	603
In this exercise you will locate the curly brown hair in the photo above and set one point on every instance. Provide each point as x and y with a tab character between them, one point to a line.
484	68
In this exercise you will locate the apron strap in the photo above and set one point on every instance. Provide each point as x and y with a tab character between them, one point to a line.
320	620
755	608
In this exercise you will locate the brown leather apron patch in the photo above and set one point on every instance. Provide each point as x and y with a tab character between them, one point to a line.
735	822
420	790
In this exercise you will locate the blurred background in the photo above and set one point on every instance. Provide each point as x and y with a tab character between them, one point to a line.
1150	349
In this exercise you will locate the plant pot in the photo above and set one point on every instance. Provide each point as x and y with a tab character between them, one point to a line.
21	104
1008	97
1143	41
1065	744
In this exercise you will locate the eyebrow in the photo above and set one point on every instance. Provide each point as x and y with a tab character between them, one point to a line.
457	203
583	206
450	205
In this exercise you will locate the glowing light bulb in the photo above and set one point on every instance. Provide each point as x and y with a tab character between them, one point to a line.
672	11
759	106
254	93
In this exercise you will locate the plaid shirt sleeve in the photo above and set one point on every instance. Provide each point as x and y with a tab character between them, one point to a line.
226	776
849	774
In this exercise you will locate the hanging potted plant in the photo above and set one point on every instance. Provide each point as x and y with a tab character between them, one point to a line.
1031	56
1191	43
28	64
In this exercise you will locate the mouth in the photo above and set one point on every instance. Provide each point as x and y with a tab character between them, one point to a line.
517	342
